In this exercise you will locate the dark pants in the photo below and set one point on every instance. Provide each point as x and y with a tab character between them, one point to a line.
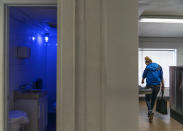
151	98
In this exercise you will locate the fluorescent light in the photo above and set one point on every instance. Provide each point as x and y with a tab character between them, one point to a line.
160	20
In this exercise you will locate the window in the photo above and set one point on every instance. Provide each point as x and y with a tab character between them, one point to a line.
164	57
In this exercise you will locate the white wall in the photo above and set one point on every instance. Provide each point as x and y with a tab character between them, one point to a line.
106	65
164	43
2	95
121	65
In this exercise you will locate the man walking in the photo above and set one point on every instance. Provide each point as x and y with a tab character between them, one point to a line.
154	80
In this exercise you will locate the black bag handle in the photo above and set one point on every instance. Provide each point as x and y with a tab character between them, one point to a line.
162	93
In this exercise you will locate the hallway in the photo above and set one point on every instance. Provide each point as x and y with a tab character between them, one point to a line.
160	122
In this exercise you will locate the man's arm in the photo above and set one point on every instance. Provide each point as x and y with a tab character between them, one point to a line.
162	85
144	76
142	80
162	81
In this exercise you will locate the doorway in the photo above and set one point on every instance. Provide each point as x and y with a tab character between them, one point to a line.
65	60
32	67
160	38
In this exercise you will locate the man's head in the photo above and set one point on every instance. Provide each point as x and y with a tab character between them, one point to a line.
147	60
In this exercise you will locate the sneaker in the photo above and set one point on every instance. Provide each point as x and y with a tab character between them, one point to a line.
149	113
150	116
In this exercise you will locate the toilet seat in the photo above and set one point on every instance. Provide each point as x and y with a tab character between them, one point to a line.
16	120
18	116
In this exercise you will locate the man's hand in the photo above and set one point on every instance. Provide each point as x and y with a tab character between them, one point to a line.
142	81
162	85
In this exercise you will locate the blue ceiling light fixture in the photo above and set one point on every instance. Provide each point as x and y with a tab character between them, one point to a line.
33	38
46	37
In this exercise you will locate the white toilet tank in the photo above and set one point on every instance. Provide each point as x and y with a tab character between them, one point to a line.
16	120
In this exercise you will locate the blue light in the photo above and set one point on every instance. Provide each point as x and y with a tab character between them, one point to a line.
33	38
46	38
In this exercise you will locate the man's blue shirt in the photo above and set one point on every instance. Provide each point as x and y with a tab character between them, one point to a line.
153	74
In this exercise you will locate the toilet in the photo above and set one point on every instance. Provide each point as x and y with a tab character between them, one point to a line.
17	120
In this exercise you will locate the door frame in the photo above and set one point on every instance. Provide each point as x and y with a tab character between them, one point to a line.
65	61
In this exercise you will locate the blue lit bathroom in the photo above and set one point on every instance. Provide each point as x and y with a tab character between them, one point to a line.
32	53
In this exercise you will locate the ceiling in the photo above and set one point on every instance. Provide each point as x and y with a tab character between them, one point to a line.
47	15
41	15
169	8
